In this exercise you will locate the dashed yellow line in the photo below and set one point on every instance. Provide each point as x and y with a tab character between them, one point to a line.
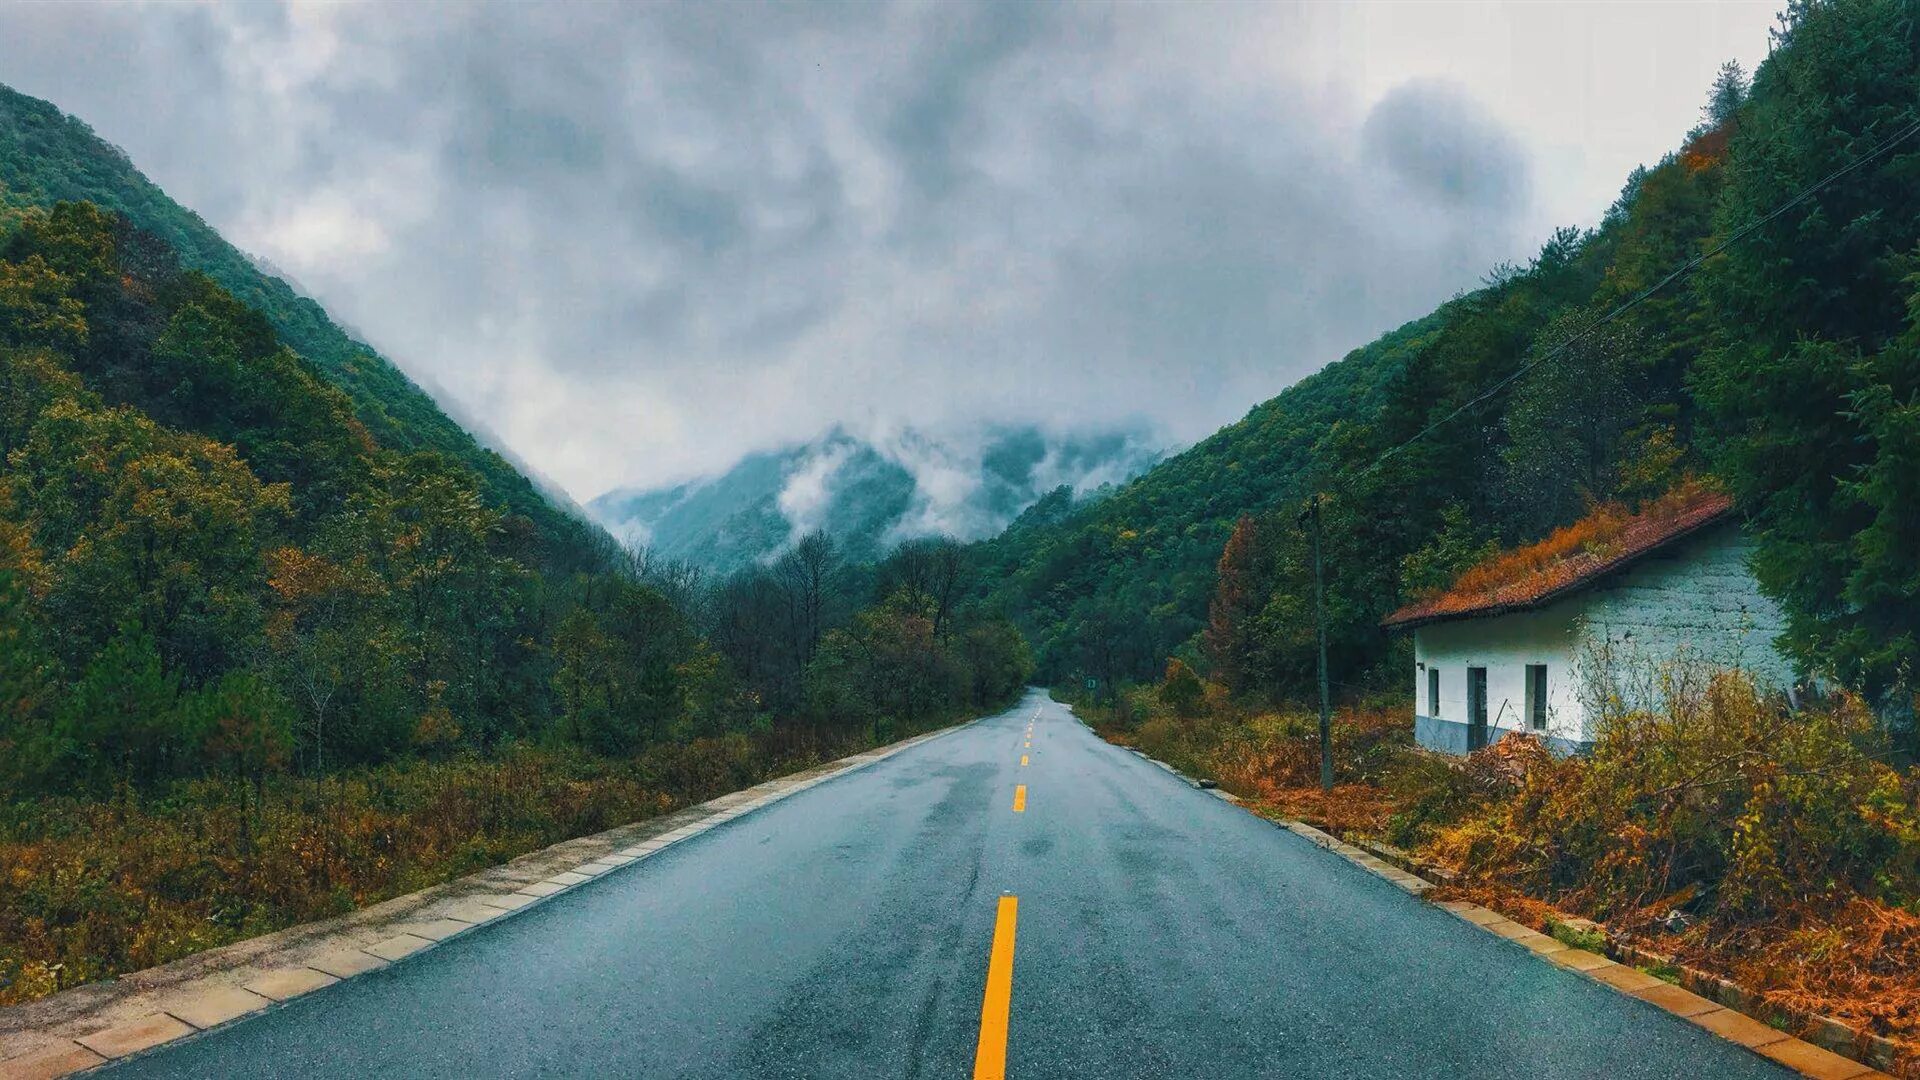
1020	799
990	1060
1023	760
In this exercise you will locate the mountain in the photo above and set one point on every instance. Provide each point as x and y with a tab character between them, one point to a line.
868	493
1128	576
1786	366
48	157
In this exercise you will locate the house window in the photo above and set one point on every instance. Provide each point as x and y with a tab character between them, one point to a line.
1537	696
1433	691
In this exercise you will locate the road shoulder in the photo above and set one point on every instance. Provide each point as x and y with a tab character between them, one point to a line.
90	1026
1722	1020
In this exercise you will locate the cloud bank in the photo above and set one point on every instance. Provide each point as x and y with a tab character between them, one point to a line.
639	241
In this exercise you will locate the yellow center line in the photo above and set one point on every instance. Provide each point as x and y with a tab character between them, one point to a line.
1020	799
990	1060
1023	759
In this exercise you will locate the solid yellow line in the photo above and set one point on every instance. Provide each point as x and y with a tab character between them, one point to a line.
1023	759
1020	799
990	1060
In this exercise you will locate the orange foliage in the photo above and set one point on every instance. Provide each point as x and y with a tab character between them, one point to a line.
1607	538
1243	581
1706	150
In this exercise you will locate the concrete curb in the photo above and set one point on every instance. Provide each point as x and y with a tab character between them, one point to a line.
1208	786
92	1026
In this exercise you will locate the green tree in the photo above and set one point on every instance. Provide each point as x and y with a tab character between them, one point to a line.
997	658
246	730
1729	92
121	722
1458	544
151	526
1568	421
1808	379
27	680
1180	689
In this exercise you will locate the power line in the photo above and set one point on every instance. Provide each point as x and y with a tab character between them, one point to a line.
1685	268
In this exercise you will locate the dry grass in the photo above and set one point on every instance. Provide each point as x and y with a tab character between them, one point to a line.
91	889
1860	964
1349	810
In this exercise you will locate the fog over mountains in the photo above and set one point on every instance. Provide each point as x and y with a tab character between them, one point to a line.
869	491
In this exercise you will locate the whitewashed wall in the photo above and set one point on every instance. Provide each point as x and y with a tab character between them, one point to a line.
1694	607
1504	646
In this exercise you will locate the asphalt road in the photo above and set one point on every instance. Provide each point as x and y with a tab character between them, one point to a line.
846	932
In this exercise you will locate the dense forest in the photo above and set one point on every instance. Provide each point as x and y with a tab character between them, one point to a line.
207	562
1787	367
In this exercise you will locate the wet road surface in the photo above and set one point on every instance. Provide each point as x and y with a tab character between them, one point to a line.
850	931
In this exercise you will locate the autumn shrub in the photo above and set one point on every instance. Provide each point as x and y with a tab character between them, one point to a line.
1722	802
1257	753
1430	791
1181	690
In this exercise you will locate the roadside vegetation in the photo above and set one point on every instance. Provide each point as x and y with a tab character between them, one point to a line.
259	664
99	886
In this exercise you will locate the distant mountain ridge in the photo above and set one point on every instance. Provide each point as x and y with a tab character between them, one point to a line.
869	493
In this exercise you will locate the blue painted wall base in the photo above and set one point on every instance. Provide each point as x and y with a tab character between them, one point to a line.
1450	737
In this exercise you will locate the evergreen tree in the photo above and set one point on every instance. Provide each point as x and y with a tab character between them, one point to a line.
1729	92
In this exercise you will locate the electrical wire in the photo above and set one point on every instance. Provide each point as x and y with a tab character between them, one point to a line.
1638	298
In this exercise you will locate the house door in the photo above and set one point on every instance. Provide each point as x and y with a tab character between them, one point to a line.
1476	708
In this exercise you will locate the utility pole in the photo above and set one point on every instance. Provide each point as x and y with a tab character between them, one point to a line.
1320	619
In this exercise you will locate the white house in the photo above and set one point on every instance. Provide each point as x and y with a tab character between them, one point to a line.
1606	609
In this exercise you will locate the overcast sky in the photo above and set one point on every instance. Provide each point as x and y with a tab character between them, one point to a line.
637	241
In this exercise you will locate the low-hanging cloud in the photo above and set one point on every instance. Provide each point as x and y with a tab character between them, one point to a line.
638	241
1446	148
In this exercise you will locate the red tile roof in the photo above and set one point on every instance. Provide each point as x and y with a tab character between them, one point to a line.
1569	560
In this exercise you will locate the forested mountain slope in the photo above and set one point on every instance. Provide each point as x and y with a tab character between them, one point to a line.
1788	368
1115	586
219	554
48	157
